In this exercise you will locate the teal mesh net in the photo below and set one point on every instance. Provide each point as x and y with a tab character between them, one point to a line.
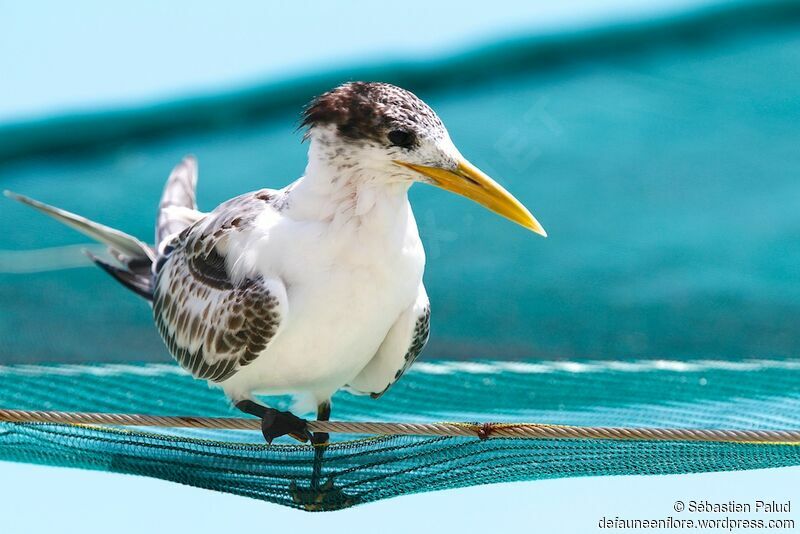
756	395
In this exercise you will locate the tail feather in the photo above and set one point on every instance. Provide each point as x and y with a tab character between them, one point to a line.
119	241
177	210
178	206
138	265
141	284
135	257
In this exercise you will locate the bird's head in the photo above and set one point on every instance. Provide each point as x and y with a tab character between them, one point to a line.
394	136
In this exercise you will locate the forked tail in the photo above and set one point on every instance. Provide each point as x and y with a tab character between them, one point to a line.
135	259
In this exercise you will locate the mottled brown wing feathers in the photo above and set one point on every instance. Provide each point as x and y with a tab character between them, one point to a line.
211	325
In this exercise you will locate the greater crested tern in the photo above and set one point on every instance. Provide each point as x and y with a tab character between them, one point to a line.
317	286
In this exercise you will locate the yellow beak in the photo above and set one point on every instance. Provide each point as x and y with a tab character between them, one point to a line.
469	181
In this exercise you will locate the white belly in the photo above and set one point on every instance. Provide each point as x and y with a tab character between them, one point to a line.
339	312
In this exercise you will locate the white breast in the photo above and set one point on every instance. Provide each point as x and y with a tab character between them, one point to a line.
347	283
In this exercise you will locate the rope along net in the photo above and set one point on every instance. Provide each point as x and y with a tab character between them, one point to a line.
636	417
480	430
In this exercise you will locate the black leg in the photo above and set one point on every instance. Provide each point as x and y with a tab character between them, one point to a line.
274	423
320	442
323	414
321	495
252	408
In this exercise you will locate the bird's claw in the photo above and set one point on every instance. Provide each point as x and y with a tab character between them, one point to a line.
275	424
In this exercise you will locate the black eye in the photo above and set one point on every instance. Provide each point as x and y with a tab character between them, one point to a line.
402	138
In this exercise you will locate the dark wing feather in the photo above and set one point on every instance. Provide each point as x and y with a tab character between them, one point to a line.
212	325
422	331
400	348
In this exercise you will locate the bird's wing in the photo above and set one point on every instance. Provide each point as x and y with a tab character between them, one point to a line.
213	324
399	349
178	206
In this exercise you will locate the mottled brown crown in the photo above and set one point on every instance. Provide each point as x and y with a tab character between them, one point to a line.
368	110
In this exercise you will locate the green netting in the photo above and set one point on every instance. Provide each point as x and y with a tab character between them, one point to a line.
762	394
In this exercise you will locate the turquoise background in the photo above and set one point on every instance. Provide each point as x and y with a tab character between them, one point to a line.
661	157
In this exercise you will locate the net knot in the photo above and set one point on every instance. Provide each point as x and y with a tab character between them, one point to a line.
485	430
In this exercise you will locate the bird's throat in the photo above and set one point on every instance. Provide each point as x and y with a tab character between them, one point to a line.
347	193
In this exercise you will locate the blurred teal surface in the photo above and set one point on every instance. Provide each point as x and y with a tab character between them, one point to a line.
666	176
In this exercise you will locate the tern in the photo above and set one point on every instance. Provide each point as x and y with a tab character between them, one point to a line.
312	288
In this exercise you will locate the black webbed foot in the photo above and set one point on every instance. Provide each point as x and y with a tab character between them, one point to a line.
275	424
